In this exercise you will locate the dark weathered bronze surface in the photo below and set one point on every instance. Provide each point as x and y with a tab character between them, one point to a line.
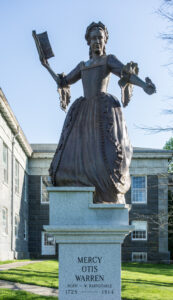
94	148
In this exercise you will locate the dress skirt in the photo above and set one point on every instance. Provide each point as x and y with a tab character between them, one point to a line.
94	149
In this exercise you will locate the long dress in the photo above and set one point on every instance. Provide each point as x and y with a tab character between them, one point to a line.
94	148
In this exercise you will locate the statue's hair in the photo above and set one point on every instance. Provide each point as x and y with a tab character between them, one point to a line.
97	25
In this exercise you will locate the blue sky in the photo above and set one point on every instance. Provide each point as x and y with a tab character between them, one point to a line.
134	28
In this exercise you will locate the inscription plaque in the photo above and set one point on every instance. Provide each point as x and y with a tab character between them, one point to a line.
89	272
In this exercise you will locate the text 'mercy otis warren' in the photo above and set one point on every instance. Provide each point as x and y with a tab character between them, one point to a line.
90	265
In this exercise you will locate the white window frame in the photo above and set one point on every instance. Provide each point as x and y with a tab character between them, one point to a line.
16	177
5	163
47	249
139	189
16	226
138	227
41	192
140	254
25	235
5	221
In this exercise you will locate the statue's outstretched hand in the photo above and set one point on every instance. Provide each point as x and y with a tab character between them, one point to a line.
149	87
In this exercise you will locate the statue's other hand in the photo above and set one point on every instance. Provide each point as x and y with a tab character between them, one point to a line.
150	87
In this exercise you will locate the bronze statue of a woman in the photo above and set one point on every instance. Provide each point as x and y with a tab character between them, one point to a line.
94	148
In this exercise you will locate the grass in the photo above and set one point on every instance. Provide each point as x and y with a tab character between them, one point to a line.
139	281
147	281
43	273
3	262
6	294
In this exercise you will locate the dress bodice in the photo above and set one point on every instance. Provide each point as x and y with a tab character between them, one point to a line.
95	78
95	74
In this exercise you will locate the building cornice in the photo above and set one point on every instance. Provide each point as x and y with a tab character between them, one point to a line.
152	153
12	122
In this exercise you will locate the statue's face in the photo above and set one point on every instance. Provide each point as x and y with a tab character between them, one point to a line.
97	41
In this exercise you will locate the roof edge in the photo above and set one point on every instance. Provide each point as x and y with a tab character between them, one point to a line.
12	122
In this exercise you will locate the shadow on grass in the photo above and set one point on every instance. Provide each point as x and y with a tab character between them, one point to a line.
155	269
29	273
26	276
146	282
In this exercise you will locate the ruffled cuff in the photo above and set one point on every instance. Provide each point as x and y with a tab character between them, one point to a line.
64	92
126	87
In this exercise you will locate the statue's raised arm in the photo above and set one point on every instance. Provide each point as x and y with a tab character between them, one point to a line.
45	52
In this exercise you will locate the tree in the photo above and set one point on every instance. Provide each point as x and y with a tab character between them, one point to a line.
169	146
166	12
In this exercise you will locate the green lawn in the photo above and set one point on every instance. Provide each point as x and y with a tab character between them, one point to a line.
147	281
139	281
6	294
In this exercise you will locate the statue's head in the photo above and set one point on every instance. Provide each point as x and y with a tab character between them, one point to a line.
96	36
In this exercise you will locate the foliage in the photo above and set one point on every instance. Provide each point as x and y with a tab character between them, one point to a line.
169	146
170	223
7	294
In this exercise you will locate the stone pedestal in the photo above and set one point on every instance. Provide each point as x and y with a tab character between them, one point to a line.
89	237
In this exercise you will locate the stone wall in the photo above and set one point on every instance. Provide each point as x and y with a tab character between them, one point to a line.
13	246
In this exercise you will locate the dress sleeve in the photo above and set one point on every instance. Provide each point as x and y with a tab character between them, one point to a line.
114	65
72	77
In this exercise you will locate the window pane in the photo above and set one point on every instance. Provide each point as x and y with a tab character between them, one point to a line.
16	176
138	182
25	188
44	193
16	225
139	191
5	220
25	230
139	195
140	232
139	256
5	163
49	239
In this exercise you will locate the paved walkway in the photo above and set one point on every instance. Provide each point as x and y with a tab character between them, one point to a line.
39	290
18	264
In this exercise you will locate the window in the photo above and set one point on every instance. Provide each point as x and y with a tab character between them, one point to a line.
4	220
16	225
25	186
48	244
5	163
16	176
139	256
44	193
139	189
48	239
25	231
140	232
